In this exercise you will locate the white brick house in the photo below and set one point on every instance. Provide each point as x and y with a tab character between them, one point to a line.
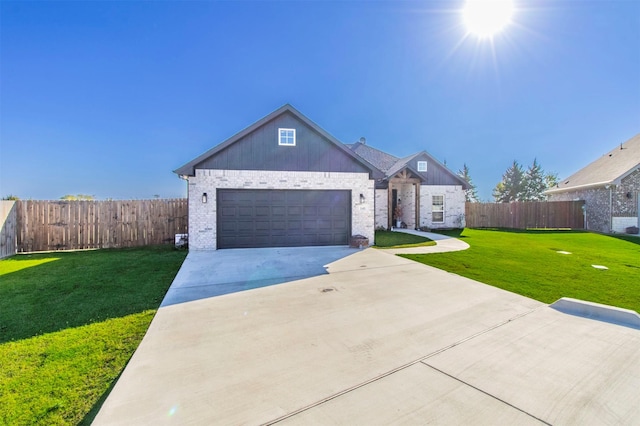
284	181
610	187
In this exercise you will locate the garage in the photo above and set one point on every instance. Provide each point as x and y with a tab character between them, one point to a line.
282	218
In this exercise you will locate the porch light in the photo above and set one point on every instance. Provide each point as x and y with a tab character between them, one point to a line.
361	198
204	198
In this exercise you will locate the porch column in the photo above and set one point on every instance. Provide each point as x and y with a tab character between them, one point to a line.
417	205
389	207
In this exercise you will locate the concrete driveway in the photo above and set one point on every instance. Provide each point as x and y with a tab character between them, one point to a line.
378	340
213	273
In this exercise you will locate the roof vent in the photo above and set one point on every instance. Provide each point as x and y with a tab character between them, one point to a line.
363	140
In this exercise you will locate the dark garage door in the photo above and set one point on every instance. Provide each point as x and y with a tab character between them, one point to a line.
283	218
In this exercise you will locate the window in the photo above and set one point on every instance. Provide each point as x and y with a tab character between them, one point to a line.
422	166
287	137
437	208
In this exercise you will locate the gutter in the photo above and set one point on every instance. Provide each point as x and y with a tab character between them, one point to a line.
574	188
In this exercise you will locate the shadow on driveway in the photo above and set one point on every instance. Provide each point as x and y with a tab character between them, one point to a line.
213	273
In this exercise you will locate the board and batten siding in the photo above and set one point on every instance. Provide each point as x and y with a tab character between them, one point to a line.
435	174
259	150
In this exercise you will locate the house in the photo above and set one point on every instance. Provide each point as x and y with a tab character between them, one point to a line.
609	186
285	181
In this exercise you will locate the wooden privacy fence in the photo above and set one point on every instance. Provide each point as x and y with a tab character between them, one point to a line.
8	232
73	225
526	215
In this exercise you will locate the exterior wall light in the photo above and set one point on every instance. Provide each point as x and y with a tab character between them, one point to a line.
204	198
361	198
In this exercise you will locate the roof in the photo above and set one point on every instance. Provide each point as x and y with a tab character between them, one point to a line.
391	165
189	168
377	158
609	169
402	163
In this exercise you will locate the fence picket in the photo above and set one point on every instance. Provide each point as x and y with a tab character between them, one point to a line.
526	215
72	225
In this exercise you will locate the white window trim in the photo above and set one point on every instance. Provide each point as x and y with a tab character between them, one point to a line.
280	142
437	211
422	163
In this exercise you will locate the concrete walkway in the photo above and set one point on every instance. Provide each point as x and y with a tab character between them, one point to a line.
378	340
444	243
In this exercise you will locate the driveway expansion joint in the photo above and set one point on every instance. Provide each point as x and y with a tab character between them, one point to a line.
420	360
486	393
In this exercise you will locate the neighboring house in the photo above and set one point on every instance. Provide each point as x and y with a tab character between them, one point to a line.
284	181
610	187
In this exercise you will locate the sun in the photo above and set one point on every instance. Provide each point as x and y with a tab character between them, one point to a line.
486	18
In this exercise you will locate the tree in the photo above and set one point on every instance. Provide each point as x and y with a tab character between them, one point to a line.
471	194
551	180
11	197
511	187
534	183
77	197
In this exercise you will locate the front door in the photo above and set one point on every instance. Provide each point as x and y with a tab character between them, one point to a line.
394	204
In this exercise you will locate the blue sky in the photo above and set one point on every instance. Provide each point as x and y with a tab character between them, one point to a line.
107	98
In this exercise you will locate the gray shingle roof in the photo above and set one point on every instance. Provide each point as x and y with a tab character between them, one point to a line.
379	159
606	170
401	163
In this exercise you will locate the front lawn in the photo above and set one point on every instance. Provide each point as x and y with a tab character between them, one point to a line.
536	264
69	322
390	239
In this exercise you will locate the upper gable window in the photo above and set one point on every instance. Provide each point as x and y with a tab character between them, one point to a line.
422	166
287	137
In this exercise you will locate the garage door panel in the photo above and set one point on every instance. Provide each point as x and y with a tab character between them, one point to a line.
277	218
278	225
295	211
228	211
246	211
263	211
324	211
278	211
324	224
339	225
262	225
294	225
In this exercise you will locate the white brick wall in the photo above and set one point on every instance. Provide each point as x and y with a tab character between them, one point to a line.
454	205
202	217
620	224
382	209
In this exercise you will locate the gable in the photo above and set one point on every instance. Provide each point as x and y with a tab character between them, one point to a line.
436	174
257	148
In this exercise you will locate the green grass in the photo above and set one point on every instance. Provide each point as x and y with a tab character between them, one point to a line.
389	239
69	322
528	263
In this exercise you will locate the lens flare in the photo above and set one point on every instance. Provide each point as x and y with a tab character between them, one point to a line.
485	18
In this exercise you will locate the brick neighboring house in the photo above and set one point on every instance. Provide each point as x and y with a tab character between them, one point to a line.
610	187
284	181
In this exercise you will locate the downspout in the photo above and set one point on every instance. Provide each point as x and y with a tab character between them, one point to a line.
610	208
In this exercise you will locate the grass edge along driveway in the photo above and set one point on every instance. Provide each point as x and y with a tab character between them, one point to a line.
535	264
69	323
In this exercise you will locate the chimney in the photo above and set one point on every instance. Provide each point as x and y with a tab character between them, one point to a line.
363	140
